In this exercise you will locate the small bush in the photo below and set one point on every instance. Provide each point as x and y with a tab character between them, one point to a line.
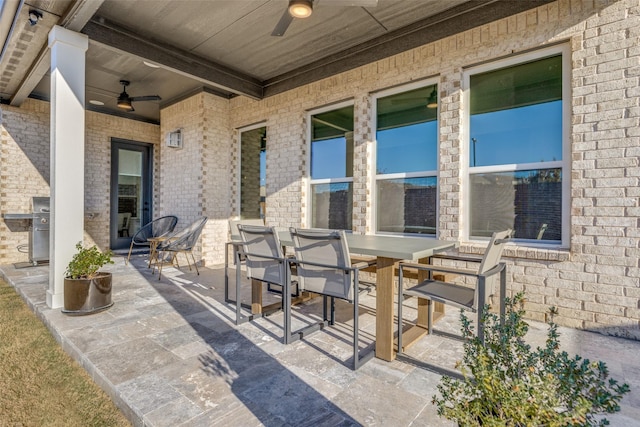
86	262
508	383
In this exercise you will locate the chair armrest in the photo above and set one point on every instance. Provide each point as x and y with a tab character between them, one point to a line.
457	258
357	266
437	268
274	258
362	265
495	270
370	261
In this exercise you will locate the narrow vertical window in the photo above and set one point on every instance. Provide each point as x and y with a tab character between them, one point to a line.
332	169
253	151
406	161
516	164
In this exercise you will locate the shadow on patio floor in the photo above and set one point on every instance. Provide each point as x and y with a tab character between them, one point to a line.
169	354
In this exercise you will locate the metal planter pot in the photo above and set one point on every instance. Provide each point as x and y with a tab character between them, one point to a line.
87	296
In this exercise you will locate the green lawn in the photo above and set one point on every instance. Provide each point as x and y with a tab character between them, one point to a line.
40	385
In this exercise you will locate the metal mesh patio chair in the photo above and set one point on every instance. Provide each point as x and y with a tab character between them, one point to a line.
472	298
183	241
264	260
324	267
156	228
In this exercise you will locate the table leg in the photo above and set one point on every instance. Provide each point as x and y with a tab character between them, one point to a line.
384	308
256	296
152	251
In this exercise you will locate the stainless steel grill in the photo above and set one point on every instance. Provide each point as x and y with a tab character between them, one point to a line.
39	232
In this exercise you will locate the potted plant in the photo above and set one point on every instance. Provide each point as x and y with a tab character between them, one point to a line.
86	289
506	382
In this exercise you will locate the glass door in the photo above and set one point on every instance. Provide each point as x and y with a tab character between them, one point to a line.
130	190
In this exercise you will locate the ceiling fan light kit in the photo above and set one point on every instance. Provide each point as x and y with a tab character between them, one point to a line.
125	101
300	8
304	8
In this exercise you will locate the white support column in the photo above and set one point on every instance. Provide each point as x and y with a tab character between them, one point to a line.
67	154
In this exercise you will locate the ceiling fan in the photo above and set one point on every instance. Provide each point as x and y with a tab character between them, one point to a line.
125	101
303	9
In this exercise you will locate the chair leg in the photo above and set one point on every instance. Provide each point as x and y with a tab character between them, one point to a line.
129	256
356	336
400	299
186	255
333	311
430	305
325	311
480	327
195	264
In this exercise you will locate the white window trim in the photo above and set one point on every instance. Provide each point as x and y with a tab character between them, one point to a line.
402	175
241	130
398	175
331	181
565	164
307	175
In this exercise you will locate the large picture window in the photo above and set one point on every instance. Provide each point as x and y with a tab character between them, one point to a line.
332	168
517	165
406	160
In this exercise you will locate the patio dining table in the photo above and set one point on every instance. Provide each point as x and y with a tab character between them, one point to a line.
388	250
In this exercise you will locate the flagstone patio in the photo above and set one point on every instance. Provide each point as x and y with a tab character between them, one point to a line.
169	354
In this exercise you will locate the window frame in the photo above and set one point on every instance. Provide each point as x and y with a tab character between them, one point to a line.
241	130
311	182
564	164
403	175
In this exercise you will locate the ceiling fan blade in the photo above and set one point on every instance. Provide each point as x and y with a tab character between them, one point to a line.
282	24
146	98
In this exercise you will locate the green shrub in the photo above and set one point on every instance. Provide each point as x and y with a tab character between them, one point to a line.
507	383
86	262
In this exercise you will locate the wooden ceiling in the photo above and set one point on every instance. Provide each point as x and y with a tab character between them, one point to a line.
223	46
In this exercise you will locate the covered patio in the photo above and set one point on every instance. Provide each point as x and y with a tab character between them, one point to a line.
169	354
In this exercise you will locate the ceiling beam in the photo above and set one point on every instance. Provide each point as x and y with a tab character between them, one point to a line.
75	17
453	21
169	57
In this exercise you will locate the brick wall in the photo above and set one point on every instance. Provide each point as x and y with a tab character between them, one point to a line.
595	284
100	128
24	169
195	179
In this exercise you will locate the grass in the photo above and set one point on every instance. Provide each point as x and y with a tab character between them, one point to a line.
40	385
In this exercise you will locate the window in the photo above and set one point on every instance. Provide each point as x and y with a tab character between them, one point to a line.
332	168
517	166
253	151
407	160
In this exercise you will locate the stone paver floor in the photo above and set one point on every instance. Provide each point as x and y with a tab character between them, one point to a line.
169	354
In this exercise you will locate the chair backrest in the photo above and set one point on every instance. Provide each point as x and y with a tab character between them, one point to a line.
263	254
185	239
491	258
123	220
156	228
233	226
327	247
